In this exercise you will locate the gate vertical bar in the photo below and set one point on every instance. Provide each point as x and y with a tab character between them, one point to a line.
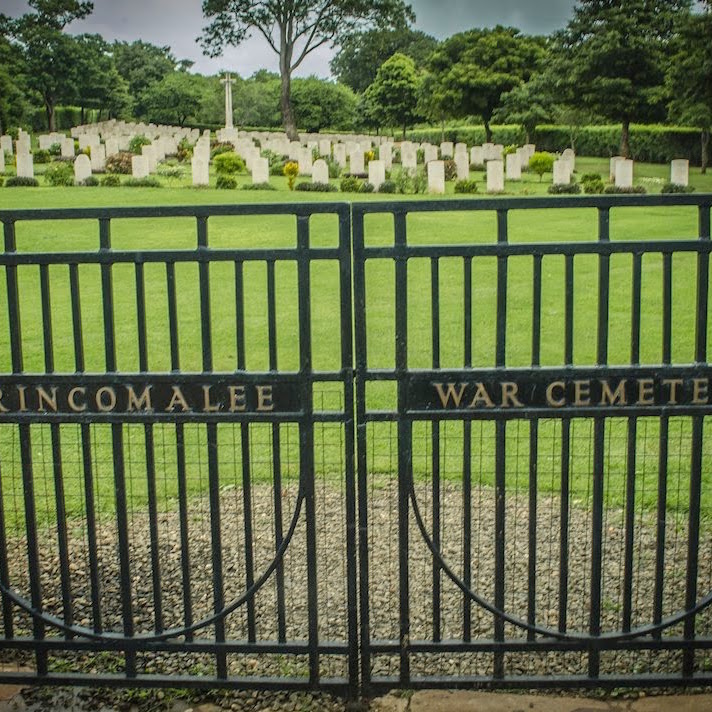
467	462
435	445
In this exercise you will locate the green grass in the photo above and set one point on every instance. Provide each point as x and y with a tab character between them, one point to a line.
565	224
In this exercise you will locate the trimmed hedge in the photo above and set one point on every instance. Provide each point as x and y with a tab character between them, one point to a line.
650	143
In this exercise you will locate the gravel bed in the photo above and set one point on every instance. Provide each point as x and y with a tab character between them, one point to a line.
384	580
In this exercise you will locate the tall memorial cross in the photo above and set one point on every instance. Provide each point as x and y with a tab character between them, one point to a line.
228	81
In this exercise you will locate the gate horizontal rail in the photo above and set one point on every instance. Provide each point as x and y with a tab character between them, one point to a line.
482	521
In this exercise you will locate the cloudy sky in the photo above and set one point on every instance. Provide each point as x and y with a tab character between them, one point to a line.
177	23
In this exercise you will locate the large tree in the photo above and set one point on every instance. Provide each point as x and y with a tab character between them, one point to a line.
611	58
175	98
395	91
528	104
474	69
689	78
293	30
48	52
362	53
13	102
320	104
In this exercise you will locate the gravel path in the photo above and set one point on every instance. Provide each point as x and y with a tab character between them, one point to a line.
384	586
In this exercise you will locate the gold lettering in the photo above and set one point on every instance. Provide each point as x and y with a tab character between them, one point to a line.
237	398
76	407
481	396
700	395
45	399
582	392
136	403
673	383
208	407
446	395
550	400
3	409
646	392
99	398
609	397
23	402
264	398
509	395
177	399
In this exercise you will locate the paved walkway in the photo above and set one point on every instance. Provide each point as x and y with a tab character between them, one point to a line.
444	701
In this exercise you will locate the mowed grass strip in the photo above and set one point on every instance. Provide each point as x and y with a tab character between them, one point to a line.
553	225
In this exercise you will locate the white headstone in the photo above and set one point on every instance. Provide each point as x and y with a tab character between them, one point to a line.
514	166
67	147
613	164
430	153
531	150
139	166
2	161
495	176
340	154
446	149
356	164
562	172
386	155
376	173
320	172
199	168
25	165
462	164
305	161
460	148
45	141
82	168
624	173
6	144
488	151
325	147
260	170
112	146
436	177
477	155
150	154
680	171
409	156
98	157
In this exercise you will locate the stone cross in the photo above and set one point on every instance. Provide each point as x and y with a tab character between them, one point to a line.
228	82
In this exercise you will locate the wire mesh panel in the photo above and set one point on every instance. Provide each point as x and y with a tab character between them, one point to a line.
176	447
533	444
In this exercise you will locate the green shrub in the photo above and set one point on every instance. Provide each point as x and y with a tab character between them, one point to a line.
21	182
55	149
226	182
334	168
90	182
148	182
466	186
137	142
541	162
41	156
316	187
396	156
388	186
350	184
170	172
258	186
677	188
564	189
111	181
420	155
59	173
218	149
450	169
618	190
593	187
477	167
512	148
366	188
291	171
228	163
185	150
420	181
119	163
2	182
591	177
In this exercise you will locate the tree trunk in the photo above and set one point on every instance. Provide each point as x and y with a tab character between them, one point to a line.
705	149
81	116
290	126
488	132
625	139
442	130
49	111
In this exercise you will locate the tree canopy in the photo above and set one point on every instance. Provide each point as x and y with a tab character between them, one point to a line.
293	30
362	53
611	58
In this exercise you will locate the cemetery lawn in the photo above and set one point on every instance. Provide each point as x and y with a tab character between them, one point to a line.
564	224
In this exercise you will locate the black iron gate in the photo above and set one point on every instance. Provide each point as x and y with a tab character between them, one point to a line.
523	497
162	520
551	510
